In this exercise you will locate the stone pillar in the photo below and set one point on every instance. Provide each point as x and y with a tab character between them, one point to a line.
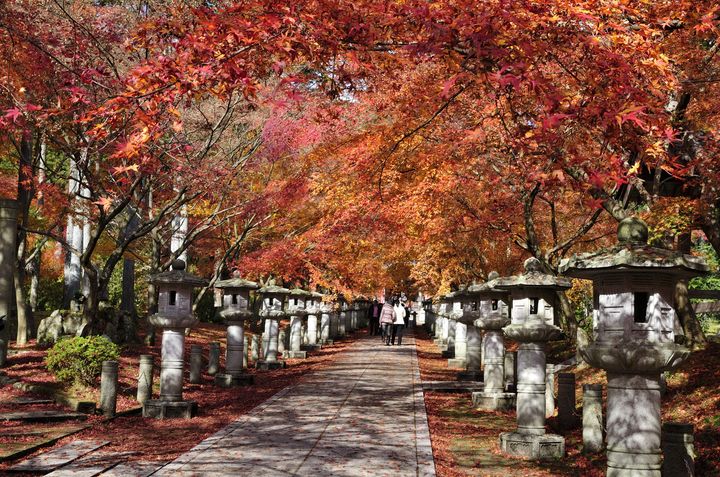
334	319
312	329
108	387
566	401
282	340
460	359
8	234
451	326
270	340
195	364
592	418
342	324
482	351
511	369
678	449
145	378
549	390
325	325
255	348
235	348
494	397
296	338
246	352
303	335
214	358
173	362
531	389
633	425
474	342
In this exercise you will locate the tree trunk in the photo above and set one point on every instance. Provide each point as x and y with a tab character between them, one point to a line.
35	280
74	237
684	309
127	302
567	320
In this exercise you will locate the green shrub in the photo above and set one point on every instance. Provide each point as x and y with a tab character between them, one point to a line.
78	360
205	309
50	294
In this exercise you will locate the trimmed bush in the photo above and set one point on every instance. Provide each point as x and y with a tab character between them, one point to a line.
78	360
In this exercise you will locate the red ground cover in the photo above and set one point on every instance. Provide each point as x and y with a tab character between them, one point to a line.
164	440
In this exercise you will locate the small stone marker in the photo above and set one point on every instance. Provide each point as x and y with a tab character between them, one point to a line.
145	378
549	390
133	469
678	449
108	388
592	418
566	400
214	358
58	457
91	465
195	364
255	348
246	351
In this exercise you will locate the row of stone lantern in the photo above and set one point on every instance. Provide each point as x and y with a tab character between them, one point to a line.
636	331
175	315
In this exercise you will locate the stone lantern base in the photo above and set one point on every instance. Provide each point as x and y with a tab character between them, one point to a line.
490	401
310	347
532	446
268	365
449	352
232	380
161	409
289	354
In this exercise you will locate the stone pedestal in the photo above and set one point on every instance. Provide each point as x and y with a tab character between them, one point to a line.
678	450
145	378
195	364
633	425
342	324
592	418
296	339
530	446
511	370
334	325
312	333
449	351
171	404
108	388
235	357
474	341
213	358
460	358
494	397
270	346
255	349
549	390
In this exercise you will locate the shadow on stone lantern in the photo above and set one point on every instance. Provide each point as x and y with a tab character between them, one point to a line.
533	301
636	333
236	309
273	299
453	310
313	306
175	290
296	309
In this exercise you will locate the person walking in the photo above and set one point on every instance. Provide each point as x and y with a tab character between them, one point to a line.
387	318
374	317
399	322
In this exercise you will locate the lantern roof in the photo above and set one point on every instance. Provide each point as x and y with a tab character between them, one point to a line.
299	292
533	277
488	287
178	276
633	253
272	289
237	282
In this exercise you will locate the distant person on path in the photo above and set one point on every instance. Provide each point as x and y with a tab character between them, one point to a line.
387	318
399	323
374	317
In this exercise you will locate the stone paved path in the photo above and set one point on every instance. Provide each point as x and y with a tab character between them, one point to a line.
362	416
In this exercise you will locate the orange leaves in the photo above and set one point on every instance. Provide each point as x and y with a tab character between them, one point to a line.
633	114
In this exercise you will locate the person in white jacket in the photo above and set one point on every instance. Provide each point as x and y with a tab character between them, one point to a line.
399	323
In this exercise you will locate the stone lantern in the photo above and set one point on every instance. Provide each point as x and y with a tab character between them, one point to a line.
175	289
462	303
342	317
491	317
326	309
236	309
296	308
453	309
273	298
637	337
533	298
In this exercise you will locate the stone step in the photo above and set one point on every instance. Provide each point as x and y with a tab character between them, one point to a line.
42	416
54	459
92	464
133	469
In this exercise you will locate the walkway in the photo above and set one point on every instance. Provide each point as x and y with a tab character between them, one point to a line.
362	416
